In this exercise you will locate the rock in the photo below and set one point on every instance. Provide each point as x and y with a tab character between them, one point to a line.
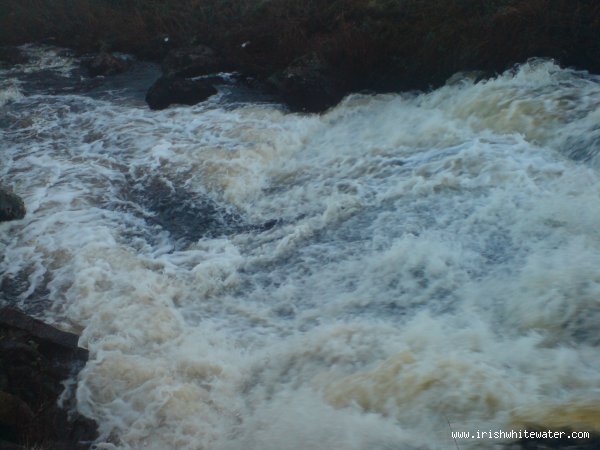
105	64
13	410
13	55
308	84
35	359
11	206
4	445
46	334
191	62
169	90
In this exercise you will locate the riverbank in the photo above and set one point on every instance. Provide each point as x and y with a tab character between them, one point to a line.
377	45
36	363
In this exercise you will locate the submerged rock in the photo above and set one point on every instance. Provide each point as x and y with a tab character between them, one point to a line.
191	62
11	206
104	64
35	359
308	84
176	90
185	215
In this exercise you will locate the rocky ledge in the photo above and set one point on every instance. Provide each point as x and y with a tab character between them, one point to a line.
168	90
307	84
35	361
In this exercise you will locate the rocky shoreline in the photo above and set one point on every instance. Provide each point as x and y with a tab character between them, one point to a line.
36	411
311	55
37	402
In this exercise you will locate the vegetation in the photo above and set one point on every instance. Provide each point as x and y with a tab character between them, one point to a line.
378	44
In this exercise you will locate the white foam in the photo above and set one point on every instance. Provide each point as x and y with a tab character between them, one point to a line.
433	261
9	94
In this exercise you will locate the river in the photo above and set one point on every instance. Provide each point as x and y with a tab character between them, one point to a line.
371	278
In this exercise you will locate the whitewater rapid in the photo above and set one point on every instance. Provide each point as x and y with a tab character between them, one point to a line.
368	278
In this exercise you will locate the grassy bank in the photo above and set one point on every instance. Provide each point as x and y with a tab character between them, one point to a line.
380	44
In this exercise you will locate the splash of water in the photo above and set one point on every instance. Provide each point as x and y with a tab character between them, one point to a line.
429	257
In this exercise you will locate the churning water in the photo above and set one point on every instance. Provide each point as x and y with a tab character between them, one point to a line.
246	278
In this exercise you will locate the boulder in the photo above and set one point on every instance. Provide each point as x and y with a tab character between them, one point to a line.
169	90
13	411
35	359
191	62
105	64
13	56
308	84
11	206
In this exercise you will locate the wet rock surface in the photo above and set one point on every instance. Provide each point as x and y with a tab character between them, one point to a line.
35	360
11	206
177	90
104	64
308	84
186	216
192	62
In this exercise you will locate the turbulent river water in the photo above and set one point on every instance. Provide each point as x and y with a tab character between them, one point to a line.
364	279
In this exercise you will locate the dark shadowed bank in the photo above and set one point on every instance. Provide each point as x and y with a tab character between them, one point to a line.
35	361
352	45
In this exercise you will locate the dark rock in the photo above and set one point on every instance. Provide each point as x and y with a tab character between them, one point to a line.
13	410
105	64
35	359
13	55
269	224
309	84
46	334
11	206
191	62
169	90
4	445
185	215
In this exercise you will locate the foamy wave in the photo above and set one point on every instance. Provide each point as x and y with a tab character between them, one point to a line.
10	94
